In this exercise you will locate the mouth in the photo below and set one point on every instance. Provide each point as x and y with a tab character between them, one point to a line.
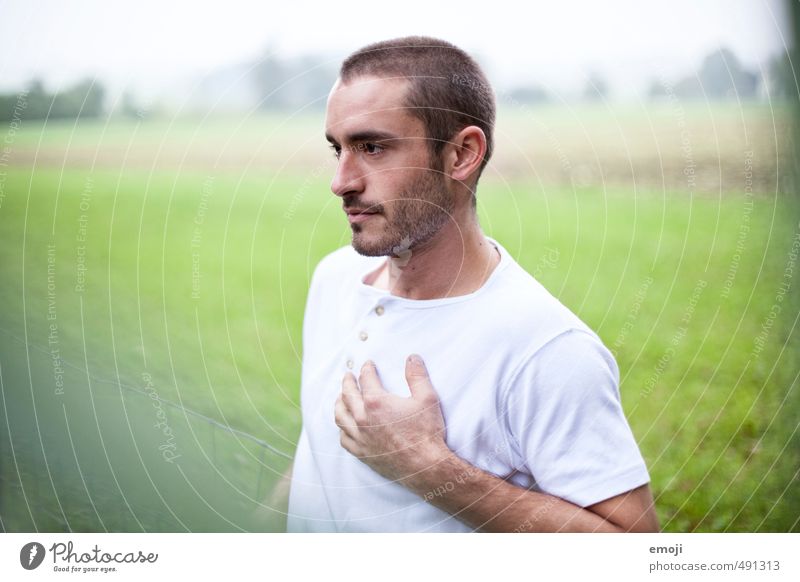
355	216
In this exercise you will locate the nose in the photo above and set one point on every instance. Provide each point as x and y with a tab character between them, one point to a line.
348	178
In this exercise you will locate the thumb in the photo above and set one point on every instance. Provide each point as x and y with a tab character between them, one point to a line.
418	380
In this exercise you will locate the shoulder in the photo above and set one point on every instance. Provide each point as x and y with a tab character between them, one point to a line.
571	376
574	353
527	314
559	347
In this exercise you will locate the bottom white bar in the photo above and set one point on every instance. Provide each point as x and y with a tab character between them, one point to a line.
396	557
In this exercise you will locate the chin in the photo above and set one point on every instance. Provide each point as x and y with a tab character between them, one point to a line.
371	245
369	248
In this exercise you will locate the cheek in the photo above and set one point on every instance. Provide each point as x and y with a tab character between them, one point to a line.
393	187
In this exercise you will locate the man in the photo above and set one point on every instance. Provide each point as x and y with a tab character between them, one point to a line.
443	388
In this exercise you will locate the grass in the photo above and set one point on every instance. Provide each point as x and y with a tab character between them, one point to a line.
673	284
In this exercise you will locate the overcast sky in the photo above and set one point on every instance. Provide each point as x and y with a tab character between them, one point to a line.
152	43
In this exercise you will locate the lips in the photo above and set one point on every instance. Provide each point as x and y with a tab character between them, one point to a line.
359	215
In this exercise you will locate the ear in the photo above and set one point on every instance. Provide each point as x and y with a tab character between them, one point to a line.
467	150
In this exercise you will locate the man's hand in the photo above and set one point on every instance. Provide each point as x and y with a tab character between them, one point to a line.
395	436
403	440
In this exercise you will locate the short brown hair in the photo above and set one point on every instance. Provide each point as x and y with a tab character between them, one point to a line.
448	91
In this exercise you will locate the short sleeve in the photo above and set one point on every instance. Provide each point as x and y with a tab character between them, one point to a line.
565	422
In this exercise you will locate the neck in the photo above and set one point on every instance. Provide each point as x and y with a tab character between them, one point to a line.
456	261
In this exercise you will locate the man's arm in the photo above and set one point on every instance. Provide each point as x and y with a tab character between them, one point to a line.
403	440
276	505
488	503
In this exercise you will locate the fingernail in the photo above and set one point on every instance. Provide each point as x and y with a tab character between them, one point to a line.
414	359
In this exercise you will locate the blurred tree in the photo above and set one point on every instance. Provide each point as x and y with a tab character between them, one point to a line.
84	99
529	94
38	100
269	75
721	76
131	107
596	88
782	79
292	83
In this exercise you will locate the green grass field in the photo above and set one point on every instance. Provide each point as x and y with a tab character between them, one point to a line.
128	273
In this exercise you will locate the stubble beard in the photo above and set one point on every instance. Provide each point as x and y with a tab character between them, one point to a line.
414	218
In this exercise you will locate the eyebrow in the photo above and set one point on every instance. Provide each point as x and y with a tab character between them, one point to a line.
360	136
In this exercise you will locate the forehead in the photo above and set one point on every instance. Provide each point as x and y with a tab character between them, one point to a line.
370	103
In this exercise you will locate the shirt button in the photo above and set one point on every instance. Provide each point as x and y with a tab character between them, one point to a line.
379	310
350	364
363	336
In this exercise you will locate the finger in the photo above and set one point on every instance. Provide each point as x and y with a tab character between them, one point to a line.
419	383
352	398
369	381
343	418
354	403
348	443
349	383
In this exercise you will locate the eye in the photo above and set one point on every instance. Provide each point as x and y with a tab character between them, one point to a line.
373	149
337	151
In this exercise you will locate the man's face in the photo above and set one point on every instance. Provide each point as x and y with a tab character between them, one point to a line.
394	199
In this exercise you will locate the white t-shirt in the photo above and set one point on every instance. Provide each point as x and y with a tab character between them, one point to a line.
528	393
